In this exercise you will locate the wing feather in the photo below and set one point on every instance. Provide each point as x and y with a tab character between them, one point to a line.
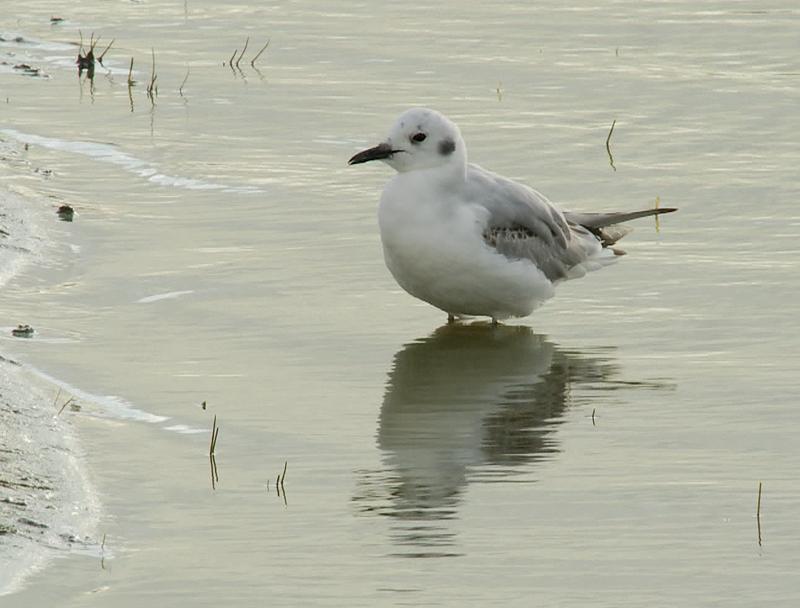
556	263
512	204
524	224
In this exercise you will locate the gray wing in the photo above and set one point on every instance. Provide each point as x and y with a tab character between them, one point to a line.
557	263
523	224
512	204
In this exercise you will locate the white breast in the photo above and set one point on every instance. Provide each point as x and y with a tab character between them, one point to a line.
434	248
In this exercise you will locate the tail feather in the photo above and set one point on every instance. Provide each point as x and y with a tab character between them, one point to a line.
608	227
601	220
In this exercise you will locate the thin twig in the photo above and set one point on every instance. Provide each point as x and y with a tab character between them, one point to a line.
58	394
213	437
264	48
758	513
130	74
103	54
758	503
103	553
230	61
151	88
283	477
89	57
66	403
180	91
246	42
608	146
211	457
214	473
593	410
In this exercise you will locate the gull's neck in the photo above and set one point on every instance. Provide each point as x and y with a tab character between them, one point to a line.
442	175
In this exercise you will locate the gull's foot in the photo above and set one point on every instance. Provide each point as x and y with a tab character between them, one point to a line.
450	318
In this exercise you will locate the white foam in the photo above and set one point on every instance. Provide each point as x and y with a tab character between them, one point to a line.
170	295
21	241
109	153
111	405
184	429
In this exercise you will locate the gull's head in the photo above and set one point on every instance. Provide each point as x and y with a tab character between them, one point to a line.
419	139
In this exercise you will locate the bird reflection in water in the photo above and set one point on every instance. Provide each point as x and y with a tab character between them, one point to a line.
470	402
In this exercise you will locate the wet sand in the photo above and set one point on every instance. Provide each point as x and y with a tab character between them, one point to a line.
47	504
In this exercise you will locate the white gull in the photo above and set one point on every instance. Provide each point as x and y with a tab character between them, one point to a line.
474	243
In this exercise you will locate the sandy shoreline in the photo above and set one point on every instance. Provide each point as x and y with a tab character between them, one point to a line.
47	504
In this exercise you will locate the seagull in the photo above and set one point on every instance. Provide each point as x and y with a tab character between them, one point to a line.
473	243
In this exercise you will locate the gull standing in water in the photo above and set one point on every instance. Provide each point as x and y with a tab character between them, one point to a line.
474	243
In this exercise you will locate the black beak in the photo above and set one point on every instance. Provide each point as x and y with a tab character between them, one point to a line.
379	152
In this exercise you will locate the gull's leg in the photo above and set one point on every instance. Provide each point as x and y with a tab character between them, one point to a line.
450	318
494	322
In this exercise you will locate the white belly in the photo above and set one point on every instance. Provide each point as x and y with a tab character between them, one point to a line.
437	254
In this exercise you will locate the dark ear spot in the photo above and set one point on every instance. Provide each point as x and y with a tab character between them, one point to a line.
446	147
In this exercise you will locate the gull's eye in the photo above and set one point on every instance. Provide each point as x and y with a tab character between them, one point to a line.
418	137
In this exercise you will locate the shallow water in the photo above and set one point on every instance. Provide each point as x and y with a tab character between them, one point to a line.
607	452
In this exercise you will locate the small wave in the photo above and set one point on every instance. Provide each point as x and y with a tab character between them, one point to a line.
15	39
21	241
164	296
109	153
113	406
183	429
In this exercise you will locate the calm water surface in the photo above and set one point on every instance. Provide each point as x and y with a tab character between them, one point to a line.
605	452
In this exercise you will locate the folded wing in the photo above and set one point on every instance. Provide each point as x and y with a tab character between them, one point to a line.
523	224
